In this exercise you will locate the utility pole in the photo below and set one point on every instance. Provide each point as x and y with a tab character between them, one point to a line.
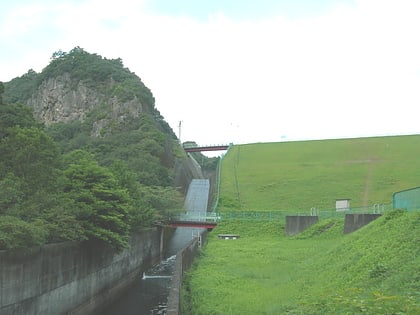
179	131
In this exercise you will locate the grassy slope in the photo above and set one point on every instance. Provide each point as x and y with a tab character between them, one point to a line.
373	271
301	175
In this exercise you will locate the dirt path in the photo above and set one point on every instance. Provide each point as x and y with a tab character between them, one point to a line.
368	184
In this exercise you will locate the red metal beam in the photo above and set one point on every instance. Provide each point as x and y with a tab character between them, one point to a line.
193	224
208	148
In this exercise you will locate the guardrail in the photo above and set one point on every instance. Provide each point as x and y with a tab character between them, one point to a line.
268	215
196	217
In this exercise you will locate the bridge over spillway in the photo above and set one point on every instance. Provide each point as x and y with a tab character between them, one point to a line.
197	220
221	147
195	205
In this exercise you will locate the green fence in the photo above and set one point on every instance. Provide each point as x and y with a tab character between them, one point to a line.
268	215
408	199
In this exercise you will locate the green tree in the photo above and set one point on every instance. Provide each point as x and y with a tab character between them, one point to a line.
101	202
140	211
16	115
16	233
11	192
31	155
20	89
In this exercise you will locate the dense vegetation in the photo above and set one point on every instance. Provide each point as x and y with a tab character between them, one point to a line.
208	164
321	271
61	183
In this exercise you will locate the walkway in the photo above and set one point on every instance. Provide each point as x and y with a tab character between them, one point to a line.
207	148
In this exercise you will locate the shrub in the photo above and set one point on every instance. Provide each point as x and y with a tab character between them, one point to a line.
16	233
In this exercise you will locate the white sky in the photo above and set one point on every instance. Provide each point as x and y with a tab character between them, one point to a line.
242	71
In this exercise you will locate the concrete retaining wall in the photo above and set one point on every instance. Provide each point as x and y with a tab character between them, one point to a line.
54	279
183	262
354	221
297	223
186	169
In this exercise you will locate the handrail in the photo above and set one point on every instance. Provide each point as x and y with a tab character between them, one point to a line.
219	169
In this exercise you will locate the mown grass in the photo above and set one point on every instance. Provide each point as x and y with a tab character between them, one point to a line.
301	175
374	270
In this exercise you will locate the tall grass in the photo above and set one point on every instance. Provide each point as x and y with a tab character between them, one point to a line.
374	270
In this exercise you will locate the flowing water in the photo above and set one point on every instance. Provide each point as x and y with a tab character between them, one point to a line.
149	293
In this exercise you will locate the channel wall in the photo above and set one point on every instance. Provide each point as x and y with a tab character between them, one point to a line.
80	277
71	277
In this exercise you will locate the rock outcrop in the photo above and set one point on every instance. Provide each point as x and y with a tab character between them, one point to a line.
60	99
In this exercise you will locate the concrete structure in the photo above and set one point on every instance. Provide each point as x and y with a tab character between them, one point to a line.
297	223
342	204
196	203
77	278
71	277
183	262
354	221
228	236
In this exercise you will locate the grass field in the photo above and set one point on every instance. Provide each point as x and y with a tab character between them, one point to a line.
301	175
375	270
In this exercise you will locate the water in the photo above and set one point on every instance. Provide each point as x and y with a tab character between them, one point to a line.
149	294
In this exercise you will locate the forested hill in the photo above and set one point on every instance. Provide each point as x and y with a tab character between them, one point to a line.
85	154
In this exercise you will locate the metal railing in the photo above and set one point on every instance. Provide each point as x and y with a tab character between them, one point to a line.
268	215
196	217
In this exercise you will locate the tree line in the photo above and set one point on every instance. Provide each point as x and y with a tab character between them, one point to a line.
47	196
58	183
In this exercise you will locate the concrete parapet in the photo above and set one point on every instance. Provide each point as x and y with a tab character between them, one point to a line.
183	262
297	223
354	221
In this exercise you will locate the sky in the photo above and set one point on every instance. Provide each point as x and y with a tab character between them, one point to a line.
242	71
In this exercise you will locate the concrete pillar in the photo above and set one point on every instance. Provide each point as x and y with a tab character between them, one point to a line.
354	221
297	223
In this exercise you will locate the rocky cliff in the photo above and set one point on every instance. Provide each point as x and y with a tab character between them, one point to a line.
76	83
58	100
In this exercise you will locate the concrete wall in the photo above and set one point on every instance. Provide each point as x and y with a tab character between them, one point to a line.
297	223
354	221
57	278
186	169
78	278
183	262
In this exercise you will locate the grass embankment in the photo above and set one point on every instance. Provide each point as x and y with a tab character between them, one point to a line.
305	174
374	270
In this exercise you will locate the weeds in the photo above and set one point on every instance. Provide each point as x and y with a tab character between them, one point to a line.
374	270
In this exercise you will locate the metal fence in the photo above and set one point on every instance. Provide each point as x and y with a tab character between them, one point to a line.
268	215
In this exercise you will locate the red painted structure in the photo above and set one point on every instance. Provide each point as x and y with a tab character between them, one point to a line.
207	148
193	224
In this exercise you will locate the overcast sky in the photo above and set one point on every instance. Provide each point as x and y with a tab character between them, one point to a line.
242	71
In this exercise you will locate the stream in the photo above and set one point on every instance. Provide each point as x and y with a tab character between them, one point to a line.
149	293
